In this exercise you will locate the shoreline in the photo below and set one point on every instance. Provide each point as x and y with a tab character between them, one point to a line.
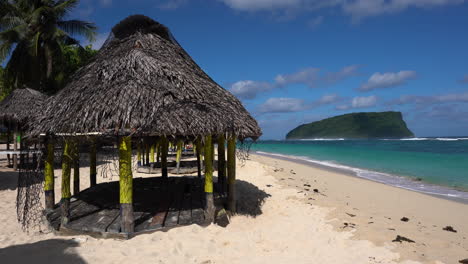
350	171
378	212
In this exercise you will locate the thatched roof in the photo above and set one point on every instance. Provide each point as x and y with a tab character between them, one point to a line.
143	80
21	105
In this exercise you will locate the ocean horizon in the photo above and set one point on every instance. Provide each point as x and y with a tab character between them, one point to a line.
432	165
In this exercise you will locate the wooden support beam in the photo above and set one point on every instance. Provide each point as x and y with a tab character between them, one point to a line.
8	144
147	151
126	185
66	171
222	163
92	163
164	151
139	152
180	145
152	152
76	168
49	180
209	206
231	167
15	148
198	153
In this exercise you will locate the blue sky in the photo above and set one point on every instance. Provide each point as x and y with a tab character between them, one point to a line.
297	61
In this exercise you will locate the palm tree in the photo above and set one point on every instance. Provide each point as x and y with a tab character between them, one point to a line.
33	32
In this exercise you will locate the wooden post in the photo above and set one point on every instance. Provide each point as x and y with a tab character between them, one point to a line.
198	150
92	163
139	152
164	150
76	168
180	145
66	171
158	151
147	155
15	148
221	163
49	180
8	144
231	166
152	152
126	185
209	207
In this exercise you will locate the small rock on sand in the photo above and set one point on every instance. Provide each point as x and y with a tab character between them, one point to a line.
463	261
402	239
404	219
449	229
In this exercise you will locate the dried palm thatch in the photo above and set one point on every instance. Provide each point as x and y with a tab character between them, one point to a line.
21	106
142	81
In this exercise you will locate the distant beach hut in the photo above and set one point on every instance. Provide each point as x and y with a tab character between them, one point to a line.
142	88
17	110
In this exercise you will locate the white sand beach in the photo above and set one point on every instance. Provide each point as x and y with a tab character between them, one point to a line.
294	225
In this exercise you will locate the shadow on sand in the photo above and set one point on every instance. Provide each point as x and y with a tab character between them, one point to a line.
48	252
249	199
8	180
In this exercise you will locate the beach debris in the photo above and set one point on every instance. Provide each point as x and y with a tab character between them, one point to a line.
449	229
402	239
370	222
276	170
291	171
463	261
391	229
306	189
316	191
282	179
352	215
269	185
307	185
351	225
404	219
222	218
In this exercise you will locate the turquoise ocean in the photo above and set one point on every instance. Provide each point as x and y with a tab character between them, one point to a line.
437	166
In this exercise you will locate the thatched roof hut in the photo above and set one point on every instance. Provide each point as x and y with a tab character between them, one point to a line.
143	81
20	106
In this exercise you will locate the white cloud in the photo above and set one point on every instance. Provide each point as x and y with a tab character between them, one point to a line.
283	105
308	76
172	4
249	89
435	99
359	102
313	78
359	9
105	2
329	99
386	80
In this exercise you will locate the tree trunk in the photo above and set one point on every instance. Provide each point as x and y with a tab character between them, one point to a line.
76	168
8	144
15	148
164	151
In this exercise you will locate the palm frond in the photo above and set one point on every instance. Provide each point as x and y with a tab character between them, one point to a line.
78	27
62	8
5	50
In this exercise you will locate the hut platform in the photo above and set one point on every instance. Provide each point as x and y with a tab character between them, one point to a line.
159	205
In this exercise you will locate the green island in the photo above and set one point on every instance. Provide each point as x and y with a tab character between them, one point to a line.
355	125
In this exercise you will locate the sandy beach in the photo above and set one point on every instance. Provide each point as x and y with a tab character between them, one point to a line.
281	220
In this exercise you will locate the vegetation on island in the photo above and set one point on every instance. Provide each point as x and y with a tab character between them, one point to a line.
39	46
355	125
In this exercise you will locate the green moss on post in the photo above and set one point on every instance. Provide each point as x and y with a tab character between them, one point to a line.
231	167
152	153
92	163
49	180
209	207
164	151
126	184
66	171
222	162
76	168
